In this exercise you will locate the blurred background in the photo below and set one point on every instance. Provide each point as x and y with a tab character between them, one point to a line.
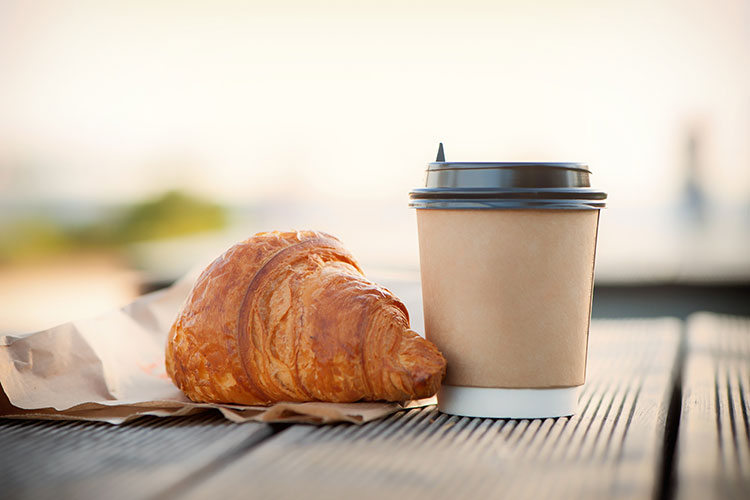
140	139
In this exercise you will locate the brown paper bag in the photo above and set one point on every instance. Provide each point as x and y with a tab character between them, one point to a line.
111	369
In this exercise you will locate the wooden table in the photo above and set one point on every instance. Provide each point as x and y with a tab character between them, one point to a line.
664	414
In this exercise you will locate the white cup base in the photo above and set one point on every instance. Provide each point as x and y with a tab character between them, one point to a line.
508	403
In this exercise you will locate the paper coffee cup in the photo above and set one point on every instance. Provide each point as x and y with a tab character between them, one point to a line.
507	256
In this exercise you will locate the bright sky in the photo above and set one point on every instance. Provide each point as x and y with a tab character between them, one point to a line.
251	100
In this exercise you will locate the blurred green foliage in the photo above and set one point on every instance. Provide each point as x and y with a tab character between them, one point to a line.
32	238
172	214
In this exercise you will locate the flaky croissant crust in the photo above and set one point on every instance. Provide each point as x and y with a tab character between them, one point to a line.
291	317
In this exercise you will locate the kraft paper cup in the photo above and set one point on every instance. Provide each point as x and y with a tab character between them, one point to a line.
507	285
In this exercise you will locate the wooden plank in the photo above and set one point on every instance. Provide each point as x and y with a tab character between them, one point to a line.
612	448
713	448
149	456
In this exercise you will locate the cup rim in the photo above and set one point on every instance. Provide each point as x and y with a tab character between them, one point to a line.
465	165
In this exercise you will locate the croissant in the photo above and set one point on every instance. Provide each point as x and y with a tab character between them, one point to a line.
291	317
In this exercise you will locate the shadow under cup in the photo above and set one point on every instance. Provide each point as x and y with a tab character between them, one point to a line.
507	256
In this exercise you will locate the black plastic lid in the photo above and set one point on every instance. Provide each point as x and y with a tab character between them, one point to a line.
527	185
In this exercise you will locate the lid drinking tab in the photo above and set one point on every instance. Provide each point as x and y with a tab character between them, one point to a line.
441	154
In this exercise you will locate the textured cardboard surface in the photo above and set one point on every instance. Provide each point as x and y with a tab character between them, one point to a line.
507	294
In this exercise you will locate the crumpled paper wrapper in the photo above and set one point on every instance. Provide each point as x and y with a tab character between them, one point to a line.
111	369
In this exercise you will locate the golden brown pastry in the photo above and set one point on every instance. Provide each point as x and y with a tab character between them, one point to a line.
290	317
